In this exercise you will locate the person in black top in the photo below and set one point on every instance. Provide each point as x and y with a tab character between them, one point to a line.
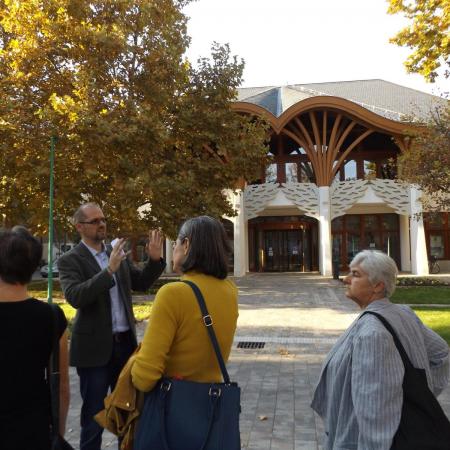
26	337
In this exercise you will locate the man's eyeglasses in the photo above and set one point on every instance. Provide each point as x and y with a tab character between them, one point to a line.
95	221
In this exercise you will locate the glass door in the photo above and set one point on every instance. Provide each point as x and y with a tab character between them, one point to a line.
283	250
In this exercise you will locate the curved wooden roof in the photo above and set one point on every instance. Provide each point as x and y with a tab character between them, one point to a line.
337	104
327	147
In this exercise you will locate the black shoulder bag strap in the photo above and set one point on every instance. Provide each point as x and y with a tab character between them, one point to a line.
207	320
53	373
398	344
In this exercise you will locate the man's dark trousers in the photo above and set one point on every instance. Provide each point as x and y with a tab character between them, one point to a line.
95	382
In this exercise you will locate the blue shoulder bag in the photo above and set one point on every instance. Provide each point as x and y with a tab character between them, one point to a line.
186	415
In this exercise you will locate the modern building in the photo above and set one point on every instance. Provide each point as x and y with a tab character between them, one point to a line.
330	190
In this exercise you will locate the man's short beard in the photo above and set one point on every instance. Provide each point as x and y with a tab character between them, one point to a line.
98	238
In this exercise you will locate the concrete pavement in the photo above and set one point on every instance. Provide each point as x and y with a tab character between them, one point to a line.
298	317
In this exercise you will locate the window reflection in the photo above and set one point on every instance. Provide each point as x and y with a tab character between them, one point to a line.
291	172
350	170
271	173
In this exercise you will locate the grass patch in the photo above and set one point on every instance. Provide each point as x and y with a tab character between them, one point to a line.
432	295
436	319
141	311
38	288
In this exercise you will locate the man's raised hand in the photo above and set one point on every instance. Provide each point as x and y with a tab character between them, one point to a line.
154	245
117	255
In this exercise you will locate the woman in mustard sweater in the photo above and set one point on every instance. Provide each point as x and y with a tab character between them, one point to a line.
176	343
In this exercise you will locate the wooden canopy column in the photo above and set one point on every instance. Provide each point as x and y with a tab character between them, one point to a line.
324	147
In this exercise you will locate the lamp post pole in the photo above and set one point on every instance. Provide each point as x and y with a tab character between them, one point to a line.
50	224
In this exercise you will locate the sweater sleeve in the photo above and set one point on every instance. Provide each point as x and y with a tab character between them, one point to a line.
150	363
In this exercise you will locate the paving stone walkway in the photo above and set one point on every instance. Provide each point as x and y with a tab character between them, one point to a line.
298	317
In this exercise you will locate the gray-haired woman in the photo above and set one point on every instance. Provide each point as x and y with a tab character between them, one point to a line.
359	394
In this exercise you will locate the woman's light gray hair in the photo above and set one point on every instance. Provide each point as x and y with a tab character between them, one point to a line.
379	267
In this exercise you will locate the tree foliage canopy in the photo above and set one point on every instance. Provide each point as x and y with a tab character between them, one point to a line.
427	162
136	123
428	34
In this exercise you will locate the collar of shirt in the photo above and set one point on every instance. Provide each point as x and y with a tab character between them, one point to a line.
95	253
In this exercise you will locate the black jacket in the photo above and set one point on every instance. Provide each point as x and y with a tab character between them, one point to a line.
86	287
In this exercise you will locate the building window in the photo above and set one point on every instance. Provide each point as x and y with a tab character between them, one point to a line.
350	170
291	172
370	170
437	231
355	232
271	173
306	174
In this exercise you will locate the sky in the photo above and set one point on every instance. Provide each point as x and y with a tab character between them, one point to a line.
297	41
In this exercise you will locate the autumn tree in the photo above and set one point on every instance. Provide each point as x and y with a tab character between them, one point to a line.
427	34
427	161
137	124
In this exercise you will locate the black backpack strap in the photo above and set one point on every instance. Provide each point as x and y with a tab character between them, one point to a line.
398	344
208	322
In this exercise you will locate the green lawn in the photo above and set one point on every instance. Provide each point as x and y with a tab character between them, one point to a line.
38	288
437	319
141	311
437	295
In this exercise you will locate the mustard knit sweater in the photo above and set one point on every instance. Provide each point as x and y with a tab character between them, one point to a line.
176	342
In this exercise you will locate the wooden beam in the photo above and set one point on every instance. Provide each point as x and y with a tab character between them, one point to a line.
331	156
299	123
296	139
324	127
346	132
333	139
307	148
349	149
312	154
318	149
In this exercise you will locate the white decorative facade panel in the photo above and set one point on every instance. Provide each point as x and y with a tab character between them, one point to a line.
256	197
344	194
395	194
303	195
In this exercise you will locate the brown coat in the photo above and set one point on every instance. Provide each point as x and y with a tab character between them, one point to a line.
123	407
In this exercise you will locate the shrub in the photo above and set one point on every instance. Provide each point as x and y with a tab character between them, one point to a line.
420	281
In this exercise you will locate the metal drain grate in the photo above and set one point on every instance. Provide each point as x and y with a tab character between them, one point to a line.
251	344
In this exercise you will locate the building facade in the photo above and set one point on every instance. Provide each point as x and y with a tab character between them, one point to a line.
330	189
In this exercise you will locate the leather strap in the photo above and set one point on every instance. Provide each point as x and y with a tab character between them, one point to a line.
207	321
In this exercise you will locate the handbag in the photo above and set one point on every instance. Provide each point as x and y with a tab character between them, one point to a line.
187	415
423	423
57	441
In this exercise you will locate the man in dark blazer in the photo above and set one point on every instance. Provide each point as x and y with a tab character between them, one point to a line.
97	281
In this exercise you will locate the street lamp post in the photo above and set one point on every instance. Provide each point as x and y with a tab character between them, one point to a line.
50	224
